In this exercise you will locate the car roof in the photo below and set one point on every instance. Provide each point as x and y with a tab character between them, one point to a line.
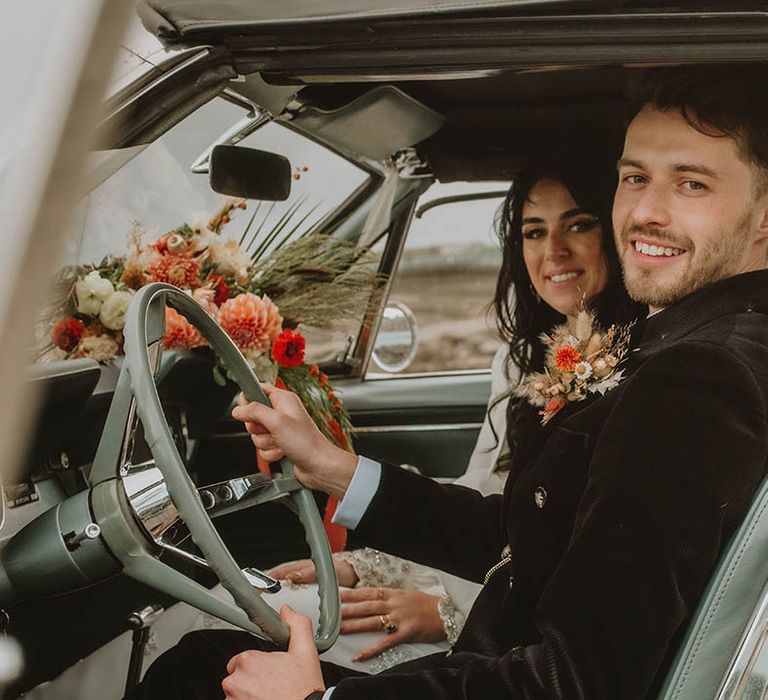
177	18
506	78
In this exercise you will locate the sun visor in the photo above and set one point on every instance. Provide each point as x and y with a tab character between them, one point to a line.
375	125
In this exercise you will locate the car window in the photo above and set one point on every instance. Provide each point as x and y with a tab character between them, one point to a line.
444	284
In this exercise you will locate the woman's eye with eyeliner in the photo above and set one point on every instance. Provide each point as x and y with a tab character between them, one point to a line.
533	234
582	225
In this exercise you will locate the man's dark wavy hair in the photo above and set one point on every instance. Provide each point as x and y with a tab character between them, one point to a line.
725	101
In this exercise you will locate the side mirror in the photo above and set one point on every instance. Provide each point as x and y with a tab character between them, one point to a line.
397	339
248	173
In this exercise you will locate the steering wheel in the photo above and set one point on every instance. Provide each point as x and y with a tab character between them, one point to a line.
136	550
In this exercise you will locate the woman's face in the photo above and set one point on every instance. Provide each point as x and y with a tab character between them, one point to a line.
562	248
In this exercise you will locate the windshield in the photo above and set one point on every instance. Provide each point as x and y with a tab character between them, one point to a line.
157	191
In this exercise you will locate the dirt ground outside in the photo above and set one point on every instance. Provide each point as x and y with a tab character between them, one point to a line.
455	322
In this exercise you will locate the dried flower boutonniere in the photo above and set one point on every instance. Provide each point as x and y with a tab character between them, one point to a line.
579	361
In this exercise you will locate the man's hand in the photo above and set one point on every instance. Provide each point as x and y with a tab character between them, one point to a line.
303	571
288	675
413	612
286	430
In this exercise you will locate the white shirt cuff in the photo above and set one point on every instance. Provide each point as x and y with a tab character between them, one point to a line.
328	692
360	493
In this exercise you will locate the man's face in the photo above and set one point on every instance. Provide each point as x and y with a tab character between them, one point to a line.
686	213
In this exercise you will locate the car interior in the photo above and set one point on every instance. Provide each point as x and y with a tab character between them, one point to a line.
415	97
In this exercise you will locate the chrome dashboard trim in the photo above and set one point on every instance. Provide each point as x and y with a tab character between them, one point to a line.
421	428
364	430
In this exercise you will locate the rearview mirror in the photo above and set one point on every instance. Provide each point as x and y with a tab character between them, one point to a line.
249	173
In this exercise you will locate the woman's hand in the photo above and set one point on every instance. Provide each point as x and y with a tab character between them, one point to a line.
303	571
413	615
286	430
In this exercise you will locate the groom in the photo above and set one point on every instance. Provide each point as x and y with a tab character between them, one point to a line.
615	525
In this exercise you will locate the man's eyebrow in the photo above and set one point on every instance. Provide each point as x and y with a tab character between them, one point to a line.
629	163
677	167
695	168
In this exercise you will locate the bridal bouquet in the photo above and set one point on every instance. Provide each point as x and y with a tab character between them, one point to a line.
259	298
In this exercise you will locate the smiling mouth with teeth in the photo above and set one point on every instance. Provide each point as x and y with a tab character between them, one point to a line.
564	277
657	251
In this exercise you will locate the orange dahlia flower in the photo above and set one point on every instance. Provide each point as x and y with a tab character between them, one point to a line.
180	334
566	357
253	322
179	270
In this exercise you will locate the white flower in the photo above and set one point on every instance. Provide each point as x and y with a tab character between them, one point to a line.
571	340
91	291
230	259
262	365
582	370
112	313
608	383
176	243
601	368
204	296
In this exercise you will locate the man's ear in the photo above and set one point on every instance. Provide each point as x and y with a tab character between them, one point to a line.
762	229
762	216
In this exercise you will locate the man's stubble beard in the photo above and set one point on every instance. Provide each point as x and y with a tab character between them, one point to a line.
721	258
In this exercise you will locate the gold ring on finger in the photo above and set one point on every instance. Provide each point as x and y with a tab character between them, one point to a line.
387	625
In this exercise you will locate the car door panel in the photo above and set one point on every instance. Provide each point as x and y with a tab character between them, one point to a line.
430	422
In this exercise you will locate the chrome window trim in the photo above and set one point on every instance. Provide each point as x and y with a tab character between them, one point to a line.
384	377
736	679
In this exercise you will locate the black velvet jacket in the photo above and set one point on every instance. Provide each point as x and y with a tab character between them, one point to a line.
614	523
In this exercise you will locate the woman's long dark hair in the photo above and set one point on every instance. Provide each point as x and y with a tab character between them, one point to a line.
521	315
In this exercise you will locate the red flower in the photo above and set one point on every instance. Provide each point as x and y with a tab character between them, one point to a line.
220	289
314	370
288	348
66	333
338	434
553	405
566	357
